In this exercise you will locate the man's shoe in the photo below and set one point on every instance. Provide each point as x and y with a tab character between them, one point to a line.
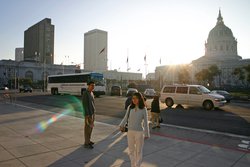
91	143
158	126
89	146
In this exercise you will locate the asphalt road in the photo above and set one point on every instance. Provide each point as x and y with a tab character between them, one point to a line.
233	118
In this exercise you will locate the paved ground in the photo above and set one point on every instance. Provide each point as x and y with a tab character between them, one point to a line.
31	137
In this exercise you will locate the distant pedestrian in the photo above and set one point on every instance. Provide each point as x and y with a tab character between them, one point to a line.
155	112
138	128
89	114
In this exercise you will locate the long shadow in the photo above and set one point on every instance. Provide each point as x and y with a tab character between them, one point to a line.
216	120
110	151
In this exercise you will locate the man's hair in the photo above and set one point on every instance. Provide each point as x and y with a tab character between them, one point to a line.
90	82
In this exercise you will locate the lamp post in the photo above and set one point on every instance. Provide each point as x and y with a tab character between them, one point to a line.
44	62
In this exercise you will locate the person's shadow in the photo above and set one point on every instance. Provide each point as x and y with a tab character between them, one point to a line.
111	151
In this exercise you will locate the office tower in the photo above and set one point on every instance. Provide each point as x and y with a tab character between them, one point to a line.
39	42
95	50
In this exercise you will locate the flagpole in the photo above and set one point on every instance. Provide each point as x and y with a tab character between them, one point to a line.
127	60
145	61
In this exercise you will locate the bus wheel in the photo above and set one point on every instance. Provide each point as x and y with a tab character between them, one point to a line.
52	91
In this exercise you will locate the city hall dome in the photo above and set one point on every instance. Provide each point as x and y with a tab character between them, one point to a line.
221	44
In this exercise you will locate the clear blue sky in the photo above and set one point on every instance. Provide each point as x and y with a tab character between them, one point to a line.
171	30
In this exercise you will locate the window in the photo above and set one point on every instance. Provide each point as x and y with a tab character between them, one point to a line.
168	89
29	74
182	90
193	90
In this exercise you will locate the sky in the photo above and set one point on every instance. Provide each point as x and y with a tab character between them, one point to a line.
166	31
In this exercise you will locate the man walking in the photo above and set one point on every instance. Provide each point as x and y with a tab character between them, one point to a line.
89	113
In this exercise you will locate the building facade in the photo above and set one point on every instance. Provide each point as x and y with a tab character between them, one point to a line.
39	42
19	54
220	50
95	50
14	70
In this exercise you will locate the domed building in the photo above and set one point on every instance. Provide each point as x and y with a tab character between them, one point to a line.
221	50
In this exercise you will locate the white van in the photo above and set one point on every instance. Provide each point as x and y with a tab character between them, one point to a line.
195	95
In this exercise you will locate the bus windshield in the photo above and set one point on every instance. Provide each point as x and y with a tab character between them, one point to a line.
97	78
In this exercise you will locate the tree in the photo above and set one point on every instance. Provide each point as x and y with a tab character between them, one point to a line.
183	75
247	69
207	75
202	76
240	73
214	71
25	81
132	85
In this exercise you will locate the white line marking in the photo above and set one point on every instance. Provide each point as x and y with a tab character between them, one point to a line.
207	131
244	146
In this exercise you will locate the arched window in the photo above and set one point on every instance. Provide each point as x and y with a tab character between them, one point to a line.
29	74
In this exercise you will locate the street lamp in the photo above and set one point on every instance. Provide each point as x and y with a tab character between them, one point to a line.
44	62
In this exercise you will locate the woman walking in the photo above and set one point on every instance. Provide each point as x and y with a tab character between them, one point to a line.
138	128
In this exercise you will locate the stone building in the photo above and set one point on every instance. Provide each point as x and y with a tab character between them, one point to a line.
14	70
220	50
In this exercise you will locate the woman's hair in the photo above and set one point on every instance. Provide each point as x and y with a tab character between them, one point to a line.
141	100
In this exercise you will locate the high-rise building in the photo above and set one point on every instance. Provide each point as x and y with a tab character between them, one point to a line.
39	42
19	54
95	50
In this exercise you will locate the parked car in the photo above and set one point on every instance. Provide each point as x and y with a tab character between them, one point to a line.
25	88
224	93
116	91
131	91
4	88
149	93
195	95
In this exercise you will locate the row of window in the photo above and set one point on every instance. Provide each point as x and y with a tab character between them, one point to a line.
222	48
181	90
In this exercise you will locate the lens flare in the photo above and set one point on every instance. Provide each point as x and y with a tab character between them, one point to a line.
71	106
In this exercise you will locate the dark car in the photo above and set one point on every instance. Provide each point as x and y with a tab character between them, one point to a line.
4	88
116	91
25	88
131	91
150	93
224	93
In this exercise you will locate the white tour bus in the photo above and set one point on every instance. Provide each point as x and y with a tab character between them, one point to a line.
75	84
